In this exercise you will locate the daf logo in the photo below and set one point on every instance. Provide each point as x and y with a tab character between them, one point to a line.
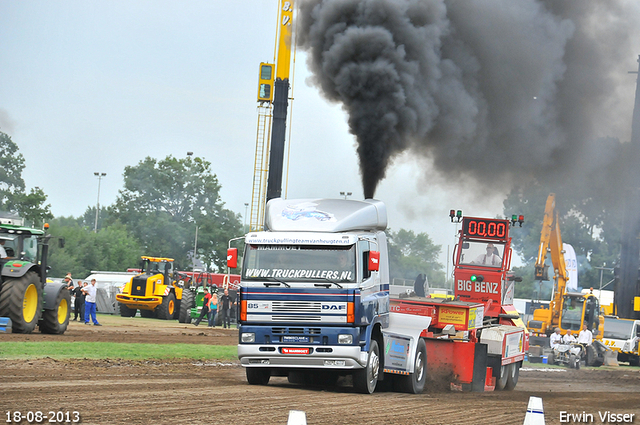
333	307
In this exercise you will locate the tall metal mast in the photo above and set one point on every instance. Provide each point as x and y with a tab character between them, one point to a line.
273	99
627	299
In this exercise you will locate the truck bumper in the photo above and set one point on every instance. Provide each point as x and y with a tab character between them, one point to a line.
331	357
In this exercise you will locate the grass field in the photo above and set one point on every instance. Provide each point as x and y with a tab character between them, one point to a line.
109	350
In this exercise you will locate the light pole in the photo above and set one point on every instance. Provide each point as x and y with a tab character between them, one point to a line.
99	176
345	194
195	250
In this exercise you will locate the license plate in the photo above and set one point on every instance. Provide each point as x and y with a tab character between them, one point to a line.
286	350
304	339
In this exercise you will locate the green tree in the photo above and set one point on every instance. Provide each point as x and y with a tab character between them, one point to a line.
32	207
162	203
411	254
113	248
11	166
587	221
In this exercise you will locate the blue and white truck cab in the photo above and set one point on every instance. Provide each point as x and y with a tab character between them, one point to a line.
314	298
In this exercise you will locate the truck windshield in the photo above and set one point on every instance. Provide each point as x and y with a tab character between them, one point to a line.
300	263
618	329
482	253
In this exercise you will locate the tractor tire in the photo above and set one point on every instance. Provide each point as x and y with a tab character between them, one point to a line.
512	376
634	360
126	311
176	310
501	380
148	314
167	309
56	320
414	382
21	301
551	359
593	359
258	375
187	303
365	379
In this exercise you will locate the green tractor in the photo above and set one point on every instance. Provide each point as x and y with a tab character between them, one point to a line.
25	295
192	303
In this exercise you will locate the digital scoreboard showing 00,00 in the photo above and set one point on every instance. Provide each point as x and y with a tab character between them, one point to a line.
485	228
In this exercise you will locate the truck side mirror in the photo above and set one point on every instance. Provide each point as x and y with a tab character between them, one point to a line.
232	258
374	261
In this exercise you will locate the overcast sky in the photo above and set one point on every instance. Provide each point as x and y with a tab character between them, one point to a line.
94	86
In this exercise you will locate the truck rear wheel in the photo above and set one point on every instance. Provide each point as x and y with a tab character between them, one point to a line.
21	301
365	379
56	320
501	380
512	376
126	311
414	383
258	375
186	305
168	307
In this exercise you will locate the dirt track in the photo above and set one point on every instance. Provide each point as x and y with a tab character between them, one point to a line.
181	392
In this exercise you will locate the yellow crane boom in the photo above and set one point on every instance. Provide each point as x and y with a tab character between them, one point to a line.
567	311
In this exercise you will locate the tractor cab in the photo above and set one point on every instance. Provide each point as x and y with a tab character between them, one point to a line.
579	309
20	243
152	266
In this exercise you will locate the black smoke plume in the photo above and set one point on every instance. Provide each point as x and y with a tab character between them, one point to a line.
491	90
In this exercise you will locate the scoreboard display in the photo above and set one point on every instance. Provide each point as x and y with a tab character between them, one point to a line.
485	228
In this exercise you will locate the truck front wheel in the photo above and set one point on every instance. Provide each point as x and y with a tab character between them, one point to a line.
21	300
365	379
258	375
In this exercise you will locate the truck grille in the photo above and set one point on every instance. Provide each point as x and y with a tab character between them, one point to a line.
296	307
296	318
300	331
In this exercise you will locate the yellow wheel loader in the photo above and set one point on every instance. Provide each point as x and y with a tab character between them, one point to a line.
157	291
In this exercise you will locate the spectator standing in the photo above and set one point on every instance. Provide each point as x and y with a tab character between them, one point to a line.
78	305
90	292
213	307
68	281
227	301
585	337
205	307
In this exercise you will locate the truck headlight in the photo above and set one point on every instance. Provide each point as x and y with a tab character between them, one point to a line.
345	339
248	337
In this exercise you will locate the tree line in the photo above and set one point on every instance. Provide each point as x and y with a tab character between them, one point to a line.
165	201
